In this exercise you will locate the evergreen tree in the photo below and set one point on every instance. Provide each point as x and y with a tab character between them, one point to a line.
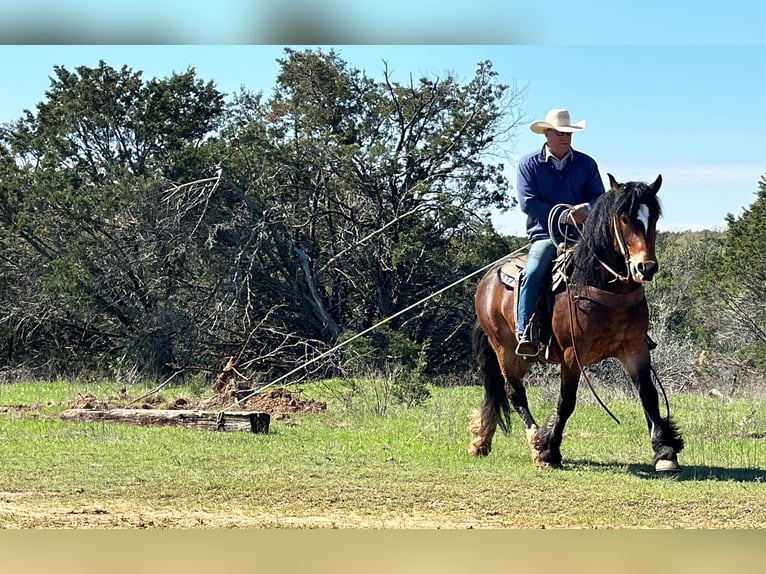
742	279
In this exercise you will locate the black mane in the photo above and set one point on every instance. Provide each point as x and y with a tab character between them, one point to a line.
597	241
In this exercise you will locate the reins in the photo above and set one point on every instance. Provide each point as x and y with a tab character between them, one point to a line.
620	242
577	358
662	388
571	331
623	251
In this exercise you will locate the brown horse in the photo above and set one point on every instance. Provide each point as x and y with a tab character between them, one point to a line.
601	312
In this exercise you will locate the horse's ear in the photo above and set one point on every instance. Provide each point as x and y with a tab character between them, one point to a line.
656	185
613	183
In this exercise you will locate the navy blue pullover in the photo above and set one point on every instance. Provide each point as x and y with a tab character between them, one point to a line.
541	186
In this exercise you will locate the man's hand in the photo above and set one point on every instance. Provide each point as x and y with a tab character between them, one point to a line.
577	214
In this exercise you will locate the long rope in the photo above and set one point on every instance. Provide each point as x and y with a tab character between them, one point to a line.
577	358
571	325
420	302
662	388
364	332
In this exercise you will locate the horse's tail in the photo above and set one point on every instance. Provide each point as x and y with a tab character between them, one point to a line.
495	397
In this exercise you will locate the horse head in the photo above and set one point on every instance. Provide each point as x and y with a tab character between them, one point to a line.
635	226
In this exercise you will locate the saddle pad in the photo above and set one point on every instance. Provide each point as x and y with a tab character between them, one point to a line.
510	271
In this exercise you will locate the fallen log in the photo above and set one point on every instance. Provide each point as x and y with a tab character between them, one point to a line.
252	421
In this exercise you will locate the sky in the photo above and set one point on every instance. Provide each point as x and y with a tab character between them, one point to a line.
681	95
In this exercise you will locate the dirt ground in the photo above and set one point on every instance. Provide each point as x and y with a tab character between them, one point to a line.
25	510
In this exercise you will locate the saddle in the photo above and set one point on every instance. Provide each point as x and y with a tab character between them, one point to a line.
510	275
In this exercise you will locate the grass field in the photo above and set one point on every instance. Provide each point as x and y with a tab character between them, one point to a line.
368	463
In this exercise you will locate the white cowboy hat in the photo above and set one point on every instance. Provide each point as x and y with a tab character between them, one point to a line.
558	120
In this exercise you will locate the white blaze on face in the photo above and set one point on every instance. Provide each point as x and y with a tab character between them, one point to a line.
643	216
637	262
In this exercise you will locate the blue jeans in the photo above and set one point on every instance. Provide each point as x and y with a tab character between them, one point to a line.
539	264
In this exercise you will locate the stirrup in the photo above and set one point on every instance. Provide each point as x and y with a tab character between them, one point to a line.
526	348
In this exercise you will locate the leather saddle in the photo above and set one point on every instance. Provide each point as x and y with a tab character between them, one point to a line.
511	273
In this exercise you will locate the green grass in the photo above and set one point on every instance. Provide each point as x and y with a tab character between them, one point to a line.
362	463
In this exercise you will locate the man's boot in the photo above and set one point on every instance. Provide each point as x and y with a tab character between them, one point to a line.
526	348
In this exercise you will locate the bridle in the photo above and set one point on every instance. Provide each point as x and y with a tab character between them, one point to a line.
623	251
621	245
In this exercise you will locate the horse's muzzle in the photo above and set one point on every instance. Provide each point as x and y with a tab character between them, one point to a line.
644	271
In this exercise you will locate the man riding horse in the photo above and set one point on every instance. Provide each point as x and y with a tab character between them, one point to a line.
553	176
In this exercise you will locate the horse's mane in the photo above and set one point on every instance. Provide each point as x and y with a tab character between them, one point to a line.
597	242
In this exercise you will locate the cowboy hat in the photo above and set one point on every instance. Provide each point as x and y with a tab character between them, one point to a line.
558	120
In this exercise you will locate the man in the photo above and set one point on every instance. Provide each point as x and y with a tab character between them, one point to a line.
557	174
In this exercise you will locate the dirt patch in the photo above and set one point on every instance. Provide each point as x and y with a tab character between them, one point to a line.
28	411
18	408
280	403
87	401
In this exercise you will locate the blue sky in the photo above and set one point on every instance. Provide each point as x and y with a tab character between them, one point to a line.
689	107
603	22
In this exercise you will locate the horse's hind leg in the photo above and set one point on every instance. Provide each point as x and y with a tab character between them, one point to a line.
495	412
546	449
484	422
483	425
500	384
515	368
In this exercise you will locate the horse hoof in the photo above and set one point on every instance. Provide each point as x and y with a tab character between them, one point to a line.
474	450
540	463
669	466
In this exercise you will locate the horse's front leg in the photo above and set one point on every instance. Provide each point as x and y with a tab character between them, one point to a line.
547	442
665	439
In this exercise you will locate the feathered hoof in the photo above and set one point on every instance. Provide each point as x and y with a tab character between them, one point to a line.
479	450
540	463
531	435
667	466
